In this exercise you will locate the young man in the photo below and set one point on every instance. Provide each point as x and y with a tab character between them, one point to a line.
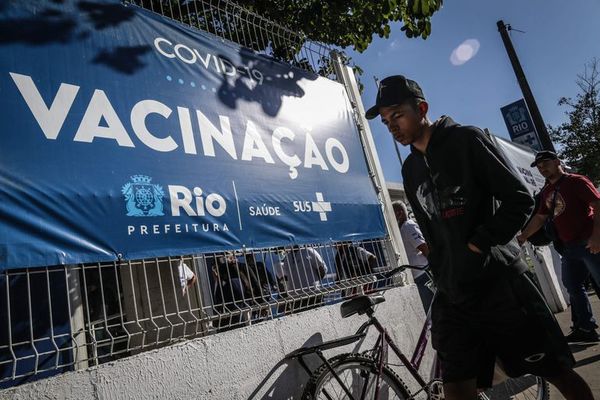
486	307
416	250
574	204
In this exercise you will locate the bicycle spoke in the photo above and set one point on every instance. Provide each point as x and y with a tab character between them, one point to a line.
360	381
364	393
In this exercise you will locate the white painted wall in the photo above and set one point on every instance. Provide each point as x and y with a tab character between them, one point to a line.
245	363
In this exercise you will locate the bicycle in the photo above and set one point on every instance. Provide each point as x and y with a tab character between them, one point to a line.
367	375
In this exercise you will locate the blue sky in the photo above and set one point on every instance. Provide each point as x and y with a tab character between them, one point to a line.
560	38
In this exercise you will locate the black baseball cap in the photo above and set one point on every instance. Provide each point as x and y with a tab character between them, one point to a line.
393	90
544	155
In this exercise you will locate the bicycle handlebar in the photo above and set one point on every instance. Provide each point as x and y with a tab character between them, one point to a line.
402	268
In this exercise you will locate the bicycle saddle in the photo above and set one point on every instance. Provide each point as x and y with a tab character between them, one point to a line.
360	305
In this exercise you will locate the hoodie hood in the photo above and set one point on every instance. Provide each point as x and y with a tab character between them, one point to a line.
454	189
440	129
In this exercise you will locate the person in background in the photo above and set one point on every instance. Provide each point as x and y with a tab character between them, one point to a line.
486	307
231	290
187	277
416	250
302	268
571	207
352	261
300	273
233	286
263	281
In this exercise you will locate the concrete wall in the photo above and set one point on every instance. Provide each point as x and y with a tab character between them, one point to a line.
245	363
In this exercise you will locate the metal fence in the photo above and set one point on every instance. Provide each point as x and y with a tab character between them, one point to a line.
62	318
230	21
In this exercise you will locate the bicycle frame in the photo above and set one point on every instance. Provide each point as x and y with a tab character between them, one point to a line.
412	365
380	351
421	346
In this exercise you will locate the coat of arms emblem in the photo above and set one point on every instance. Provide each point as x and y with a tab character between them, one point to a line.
516	115
142	198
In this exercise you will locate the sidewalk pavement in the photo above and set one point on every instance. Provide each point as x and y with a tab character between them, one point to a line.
587	357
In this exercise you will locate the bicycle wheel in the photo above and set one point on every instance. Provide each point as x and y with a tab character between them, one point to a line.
526	387
359	376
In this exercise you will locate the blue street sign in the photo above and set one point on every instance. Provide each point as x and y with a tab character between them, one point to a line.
520	125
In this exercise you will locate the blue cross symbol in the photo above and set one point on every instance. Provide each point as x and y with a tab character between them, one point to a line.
530	140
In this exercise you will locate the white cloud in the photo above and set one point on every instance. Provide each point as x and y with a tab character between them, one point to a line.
464	52
393	44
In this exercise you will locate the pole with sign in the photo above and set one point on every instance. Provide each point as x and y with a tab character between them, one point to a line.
520	126
538	121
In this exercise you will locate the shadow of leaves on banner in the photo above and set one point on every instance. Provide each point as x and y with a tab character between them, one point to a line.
50	26
123	59
104	16
69	21
65	22
277	81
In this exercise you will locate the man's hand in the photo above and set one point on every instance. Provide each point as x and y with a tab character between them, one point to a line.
593	244
536	223
474	248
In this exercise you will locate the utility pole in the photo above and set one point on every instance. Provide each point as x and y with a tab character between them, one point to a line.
538	121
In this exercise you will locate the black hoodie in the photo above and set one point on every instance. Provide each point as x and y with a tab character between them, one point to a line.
454	190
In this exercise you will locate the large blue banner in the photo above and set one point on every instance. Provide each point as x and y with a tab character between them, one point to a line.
124	134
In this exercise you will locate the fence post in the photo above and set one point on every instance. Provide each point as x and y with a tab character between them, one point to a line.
78	331
345	76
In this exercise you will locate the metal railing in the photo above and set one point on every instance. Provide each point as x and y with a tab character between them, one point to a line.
230	21
62	318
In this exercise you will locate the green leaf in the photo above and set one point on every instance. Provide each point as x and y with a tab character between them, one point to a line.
425	7
343	23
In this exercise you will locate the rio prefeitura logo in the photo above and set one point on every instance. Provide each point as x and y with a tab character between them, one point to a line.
142	198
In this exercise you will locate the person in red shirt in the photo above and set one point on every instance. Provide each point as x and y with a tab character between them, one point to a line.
572	204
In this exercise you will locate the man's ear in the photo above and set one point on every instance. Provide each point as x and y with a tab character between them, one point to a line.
423	108
557	164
